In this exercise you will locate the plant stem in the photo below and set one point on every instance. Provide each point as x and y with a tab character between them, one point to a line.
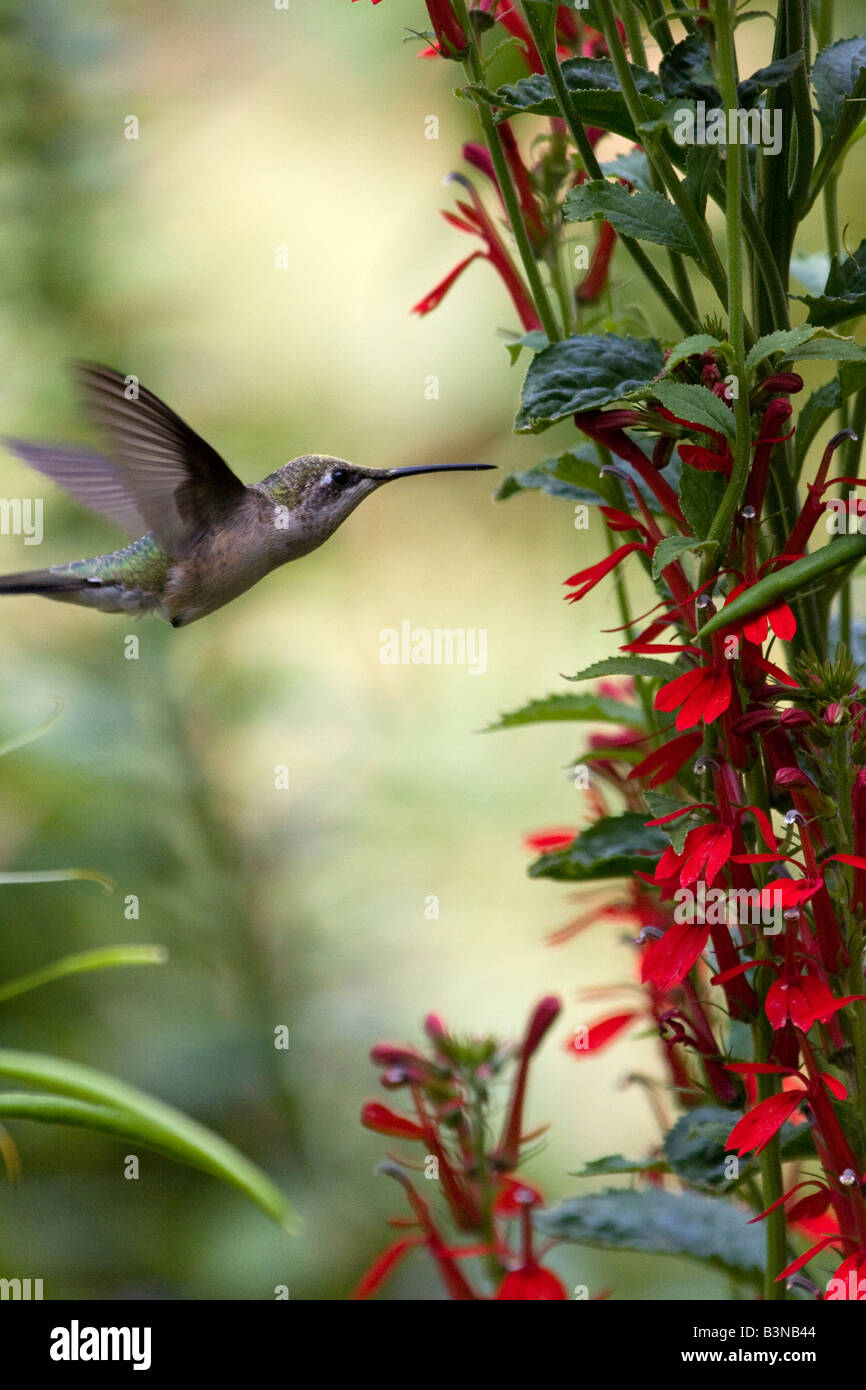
798	26
687	320
708	257
727	79
474	65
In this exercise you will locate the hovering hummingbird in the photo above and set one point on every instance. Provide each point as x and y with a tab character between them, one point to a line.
209	537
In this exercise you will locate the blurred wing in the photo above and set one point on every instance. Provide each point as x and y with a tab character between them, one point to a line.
179	484
88	477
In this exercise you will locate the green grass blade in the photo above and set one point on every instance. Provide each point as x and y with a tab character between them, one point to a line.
145	1120
103	958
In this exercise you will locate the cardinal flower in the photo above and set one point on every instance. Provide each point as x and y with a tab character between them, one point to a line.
475	220
702	695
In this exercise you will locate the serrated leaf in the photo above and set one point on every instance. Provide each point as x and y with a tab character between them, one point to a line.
835	72
671	548
697	404
595	92
661	1223
700	498
594	708
694	346
696	1148
783	340
584	373
627	665
646	216
826	346
613	847
783	585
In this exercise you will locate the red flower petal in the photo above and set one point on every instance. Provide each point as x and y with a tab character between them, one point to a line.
758	1125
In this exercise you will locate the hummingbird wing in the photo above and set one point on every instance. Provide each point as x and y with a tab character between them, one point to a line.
178	483
88	477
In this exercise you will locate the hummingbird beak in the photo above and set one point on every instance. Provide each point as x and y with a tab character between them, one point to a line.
435	468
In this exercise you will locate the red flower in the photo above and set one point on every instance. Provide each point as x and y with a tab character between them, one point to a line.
587	579
545	841
450	34
599	1034
704	693
669	959
475	220
531	1282
757	1127
664	763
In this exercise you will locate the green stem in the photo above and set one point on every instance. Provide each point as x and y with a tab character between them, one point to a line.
688	321
708	256
804	120
725	13
474	65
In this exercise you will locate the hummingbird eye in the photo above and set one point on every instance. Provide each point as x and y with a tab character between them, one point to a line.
341	476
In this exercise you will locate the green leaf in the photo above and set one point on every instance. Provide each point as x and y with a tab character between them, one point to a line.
627	665
613	847
569	707
844	294
584	373
785	584
834	76
595	91
776	74
661	1223
634	167
647	216
574	476
143	1120
783	340
57	876
694	346
687	71
662	805
698	405
615	1163
535	339
695	1148
700	498
672	547
102	958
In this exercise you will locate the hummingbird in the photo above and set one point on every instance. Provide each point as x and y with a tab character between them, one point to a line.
204	537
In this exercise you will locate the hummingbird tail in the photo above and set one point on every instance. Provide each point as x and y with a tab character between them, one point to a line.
42	582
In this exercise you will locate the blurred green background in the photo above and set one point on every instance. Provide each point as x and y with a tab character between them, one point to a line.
261	128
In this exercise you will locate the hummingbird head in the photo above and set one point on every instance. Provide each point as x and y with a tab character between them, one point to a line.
317	492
